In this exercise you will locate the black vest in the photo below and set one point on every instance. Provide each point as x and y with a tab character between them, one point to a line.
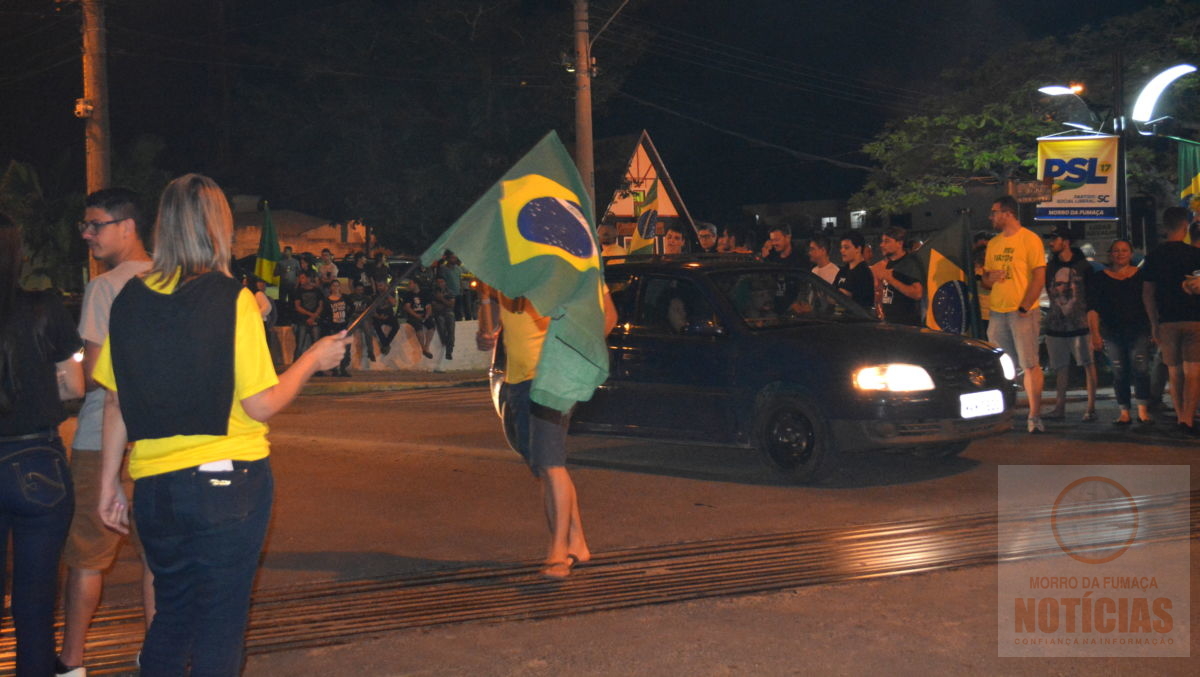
172	356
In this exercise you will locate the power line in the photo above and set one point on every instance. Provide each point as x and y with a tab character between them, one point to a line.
746	137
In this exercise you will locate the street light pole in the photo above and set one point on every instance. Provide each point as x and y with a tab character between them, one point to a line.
584	158
1119	127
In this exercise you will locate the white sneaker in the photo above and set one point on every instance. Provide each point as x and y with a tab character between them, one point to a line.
77	672
1035	425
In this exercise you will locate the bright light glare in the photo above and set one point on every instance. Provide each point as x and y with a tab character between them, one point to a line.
897	378
1010	369
1143	110
1056	90
78	355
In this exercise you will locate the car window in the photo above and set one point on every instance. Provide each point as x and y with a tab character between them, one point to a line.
623	292
674	306
775	298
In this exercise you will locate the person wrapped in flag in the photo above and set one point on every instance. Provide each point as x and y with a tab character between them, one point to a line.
532	240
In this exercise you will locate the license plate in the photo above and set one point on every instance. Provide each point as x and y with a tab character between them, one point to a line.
986	403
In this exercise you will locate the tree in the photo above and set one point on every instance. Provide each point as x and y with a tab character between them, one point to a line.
983	127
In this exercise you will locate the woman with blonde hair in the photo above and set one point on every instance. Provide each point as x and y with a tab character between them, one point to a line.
38	342
190	383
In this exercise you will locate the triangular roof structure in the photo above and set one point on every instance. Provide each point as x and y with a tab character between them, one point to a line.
643	168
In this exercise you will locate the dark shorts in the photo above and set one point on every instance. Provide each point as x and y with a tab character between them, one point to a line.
417	325
541	432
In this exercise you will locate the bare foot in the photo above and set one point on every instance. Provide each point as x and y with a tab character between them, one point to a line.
559	570
581	555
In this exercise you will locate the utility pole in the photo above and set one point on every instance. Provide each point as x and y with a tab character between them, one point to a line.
93	107
584	158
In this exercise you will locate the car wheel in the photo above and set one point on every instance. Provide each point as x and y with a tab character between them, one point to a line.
793	438
943	450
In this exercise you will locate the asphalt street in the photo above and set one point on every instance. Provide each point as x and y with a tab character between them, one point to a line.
409	482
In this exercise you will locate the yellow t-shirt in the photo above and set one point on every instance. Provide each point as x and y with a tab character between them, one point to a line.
253	373
1018	255
524	333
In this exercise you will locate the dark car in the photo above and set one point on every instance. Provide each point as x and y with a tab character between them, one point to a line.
749	354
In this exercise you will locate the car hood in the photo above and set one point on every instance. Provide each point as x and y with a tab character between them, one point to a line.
878	343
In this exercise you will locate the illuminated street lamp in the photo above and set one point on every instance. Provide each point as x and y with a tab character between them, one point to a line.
1143	108
1143	113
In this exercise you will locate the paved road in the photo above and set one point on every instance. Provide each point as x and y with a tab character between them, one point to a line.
379	484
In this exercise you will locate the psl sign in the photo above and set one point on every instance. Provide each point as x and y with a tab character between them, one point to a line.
1083	172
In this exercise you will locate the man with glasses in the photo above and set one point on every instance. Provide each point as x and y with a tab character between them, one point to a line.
1014	269
115	232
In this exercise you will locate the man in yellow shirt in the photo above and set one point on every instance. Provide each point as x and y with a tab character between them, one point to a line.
541	432
1014	270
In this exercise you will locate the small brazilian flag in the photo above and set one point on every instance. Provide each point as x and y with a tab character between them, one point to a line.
646	212
268	249
947	260
1189	175
533	235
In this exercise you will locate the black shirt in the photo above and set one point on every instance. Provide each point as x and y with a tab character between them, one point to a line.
32	386
1166	267
898	308
860	282
1118	302
1066	287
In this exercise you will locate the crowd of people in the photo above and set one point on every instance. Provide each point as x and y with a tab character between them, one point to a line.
314	303
1144	320
171	356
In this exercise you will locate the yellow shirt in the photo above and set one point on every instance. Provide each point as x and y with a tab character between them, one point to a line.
524	333
1018	255
253	373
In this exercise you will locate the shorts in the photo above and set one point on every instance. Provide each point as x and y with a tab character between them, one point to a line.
1179	342
418	325
91	545
1017	335
1061	349
541	432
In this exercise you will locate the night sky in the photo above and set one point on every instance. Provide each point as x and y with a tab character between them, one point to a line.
738	96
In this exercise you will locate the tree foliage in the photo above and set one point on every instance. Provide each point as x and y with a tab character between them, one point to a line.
983	126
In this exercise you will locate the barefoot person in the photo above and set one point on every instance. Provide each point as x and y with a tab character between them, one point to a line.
191	384
541	431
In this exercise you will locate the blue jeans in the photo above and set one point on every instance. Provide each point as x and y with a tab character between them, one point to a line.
1128	351
202	534
36	504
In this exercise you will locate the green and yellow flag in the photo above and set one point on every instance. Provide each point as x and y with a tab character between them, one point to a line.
533	235
646	212
1189	175
949	278
268	249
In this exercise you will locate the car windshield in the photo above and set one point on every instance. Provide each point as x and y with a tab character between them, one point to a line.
775	298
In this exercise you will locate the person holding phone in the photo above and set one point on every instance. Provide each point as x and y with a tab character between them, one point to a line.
189	381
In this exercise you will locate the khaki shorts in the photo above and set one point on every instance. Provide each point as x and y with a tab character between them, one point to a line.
90	544
1179	342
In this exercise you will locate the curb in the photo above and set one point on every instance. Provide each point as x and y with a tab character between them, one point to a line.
351	387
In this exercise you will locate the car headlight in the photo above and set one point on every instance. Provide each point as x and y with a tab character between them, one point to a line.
897	378
1010	369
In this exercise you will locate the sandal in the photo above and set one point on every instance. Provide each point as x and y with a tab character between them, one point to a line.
1118	421
561	570
1089	417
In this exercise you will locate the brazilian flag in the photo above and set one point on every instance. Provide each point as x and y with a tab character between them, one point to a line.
268	249
949	281
533	235
1189	175
646	212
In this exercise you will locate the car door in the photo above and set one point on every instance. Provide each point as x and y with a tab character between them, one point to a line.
673	364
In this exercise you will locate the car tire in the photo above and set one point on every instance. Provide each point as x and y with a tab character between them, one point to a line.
793	438
943	450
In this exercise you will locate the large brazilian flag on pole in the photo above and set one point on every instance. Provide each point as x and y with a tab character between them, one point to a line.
533	235
950	281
